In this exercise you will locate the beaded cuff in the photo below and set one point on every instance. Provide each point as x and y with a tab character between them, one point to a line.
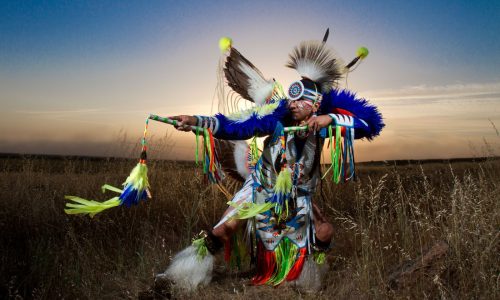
208	122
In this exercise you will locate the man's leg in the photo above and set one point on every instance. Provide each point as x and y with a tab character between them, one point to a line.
324	230
226	230
189	268
310	279
193	266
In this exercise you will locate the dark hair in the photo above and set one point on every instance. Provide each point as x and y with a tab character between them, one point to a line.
309	84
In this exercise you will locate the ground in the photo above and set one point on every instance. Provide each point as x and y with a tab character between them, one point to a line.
390	216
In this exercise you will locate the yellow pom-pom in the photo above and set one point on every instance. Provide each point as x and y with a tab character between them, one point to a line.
362	52
225	43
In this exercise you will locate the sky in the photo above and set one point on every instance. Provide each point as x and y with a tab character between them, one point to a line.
80	77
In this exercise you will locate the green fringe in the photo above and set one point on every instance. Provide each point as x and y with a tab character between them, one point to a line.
239	251
250	210
337	163
320	257
286	254
201	248
254	151
108	187
89	207
335	153
92	207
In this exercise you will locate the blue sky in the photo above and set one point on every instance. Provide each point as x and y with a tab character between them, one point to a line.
77	73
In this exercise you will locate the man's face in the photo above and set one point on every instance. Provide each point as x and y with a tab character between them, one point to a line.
301	109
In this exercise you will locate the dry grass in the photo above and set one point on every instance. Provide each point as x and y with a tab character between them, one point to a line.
389	216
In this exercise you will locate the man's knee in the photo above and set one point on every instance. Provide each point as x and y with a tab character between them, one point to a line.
225	230
324	232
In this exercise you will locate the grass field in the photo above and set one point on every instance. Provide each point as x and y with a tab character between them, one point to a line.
391	215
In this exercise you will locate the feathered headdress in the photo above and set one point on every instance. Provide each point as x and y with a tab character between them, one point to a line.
318	63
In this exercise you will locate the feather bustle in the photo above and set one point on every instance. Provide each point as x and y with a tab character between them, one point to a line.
245	79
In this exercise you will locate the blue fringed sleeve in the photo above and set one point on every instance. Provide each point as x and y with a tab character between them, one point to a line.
347	110
260	121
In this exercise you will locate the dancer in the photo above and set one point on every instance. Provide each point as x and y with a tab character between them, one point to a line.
288	234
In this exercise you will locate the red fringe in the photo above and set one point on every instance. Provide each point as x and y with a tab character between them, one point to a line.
266	264
344	112
297	267
227	251
212	148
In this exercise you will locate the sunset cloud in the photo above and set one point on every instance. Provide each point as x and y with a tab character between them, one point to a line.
463	92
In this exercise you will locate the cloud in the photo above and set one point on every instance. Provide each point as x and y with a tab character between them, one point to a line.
84	111
119	144
457	104
422	122
63	112
425	94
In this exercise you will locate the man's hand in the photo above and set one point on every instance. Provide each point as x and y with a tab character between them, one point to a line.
184	122
315	123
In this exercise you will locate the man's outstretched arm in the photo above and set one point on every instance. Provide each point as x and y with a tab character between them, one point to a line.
259	121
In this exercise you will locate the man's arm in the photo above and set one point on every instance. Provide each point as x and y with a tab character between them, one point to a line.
184	122
259	121
360	127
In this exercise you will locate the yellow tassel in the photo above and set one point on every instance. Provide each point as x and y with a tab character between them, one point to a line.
138	177
225	43
283	182
362	52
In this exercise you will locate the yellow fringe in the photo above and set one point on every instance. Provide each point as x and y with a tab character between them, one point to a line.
90	207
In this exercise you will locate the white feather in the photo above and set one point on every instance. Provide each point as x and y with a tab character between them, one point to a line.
260	89
310	69
188	271
241	158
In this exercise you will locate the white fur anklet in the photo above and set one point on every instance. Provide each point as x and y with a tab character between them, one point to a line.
188	269
310	279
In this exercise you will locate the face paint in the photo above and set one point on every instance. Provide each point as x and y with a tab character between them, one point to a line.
301	109
300	103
